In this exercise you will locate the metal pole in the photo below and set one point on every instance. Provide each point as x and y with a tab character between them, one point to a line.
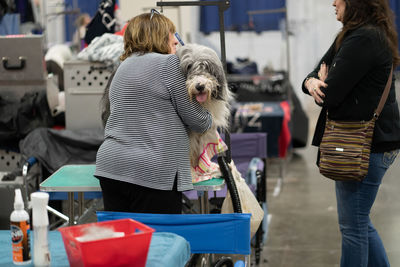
222	6
274	11
267	11
193	3
71	212
221	10
287	45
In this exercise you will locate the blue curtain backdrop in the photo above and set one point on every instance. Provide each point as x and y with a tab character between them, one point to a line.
237	19
395	6
85	6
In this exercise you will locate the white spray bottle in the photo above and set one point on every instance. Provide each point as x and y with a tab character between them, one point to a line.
40	222
19	222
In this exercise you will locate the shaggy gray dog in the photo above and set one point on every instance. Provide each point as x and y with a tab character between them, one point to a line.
206	83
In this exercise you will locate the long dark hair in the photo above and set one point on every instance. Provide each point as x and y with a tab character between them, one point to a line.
373	12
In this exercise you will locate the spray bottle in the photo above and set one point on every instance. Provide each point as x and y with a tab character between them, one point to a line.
19	220
40	222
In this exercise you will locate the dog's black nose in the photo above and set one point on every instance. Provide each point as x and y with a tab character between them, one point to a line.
200	87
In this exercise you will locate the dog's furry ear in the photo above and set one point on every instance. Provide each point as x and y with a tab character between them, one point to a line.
183	54
220	73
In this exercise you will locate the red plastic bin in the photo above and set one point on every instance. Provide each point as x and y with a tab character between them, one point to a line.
129	250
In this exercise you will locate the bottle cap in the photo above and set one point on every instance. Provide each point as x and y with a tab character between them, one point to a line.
18	202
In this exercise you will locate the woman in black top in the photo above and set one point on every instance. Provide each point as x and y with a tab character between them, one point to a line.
348	82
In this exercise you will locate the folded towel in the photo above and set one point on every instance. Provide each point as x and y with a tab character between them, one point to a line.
206	169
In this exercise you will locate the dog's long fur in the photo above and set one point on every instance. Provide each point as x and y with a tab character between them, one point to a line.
205	75
203	69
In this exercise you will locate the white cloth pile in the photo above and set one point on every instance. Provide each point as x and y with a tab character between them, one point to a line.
106	48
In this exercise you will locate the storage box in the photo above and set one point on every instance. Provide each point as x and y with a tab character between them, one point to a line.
22	67
129	250
84	84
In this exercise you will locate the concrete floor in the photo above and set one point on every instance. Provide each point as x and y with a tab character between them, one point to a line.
303	231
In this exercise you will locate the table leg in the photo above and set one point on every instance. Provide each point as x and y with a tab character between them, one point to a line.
264	183
71	208
80	203
200	195
204	205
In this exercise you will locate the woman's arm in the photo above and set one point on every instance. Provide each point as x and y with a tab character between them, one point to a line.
327	60
352	62
191	112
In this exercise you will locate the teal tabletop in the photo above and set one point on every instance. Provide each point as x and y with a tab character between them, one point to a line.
72	178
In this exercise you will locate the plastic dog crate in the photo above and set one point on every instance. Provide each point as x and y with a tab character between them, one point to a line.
84	84
9	161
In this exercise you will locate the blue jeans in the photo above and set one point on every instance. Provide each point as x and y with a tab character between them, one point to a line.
361	244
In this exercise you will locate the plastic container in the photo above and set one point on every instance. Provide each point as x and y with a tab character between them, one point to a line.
19	220
129	250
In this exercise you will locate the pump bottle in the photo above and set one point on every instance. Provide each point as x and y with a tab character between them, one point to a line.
40	222
20	228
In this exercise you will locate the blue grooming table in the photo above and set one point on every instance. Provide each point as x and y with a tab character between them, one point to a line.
166	249
80	179
71	179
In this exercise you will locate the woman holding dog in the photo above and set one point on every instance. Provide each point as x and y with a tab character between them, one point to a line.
143	164
348	83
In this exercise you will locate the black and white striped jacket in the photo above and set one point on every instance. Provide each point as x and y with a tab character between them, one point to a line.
146	136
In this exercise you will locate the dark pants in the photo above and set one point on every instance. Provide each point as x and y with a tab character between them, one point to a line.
127	197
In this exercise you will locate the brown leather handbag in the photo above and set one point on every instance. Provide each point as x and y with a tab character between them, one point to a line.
346	145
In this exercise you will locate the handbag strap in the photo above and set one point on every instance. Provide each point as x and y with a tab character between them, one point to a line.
384	95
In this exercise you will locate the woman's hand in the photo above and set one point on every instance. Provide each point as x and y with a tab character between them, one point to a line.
313	86
323	72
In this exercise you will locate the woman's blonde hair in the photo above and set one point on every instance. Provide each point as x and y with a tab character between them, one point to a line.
146	34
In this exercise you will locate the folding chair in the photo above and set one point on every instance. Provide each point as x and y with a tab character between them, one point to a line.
206	233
